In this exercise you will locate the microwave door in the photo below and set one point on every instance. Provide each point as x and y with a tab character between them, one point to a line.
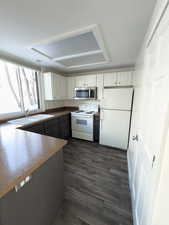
82	93
92	93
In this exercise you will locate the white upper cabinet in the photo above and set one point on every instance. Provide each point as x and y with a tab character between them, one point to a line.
70	87
124	78
63	87
110	79
58	87
80	81
118	79
48	87
54	86
86	81
90	80
100	86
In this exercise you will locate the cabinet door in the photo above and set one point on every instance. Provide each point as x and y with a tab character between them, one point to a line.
59	87
96	128
64	126
48	86
90	80
52	128
63	87
86	81
110	79
100	86
38	128
58	127
70	87
56	87
80	81
124	78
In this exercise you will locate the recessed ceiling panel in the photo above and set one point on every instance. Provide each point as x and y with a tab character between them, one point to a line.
83	60
70	46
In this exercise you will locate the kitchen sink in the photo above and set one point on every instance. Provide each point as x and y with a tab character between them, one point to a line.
30	119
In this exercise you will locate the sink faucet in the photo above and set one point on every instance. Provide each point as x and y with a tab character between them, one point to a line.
27	112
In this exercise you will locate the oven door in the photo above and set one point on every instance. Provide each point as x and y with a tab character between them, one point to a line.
82	123
82	93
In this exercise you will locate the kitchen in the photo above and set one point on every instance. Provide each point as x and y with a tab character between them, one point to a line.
84	113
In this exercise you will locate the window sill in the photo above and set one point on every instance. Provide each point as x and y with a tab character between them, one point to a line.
6	117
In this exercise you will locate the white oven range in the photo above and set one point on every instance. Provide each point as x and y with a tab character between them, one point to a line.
82	124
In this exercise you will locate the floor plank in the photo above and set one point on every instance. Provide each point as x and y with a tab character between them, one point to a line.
96	186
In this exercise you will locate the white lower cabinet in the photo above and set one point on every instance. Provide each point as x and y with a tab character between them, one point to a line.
54	86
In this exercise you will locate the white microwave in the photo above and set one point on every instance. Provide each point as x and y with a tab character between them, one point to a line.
86	93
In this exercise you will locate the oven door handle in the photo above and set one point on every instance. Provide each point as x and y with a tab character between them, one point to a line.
82	117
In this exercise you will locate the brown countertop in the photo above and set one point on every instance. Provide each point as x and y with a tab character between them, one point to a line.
22	152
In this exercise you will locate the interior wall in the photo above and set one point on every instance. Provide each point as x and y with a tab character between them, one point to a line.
150	119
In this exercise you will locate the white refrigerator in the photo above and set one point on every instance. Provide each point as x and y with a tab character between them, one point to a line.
115	117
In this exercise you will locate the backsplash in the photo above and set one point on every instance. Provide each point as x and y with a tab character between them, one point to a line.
70	103
54	104
76	103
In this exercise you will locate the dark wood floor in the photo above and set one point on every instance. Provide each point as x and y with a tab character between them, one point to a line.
96	186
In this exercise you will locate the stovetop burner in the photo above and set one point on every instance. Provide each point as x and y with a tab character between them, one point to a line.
90	112
80	111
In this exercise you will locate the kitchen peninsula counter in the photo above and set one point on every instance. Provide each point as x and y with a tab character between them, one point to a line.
21	153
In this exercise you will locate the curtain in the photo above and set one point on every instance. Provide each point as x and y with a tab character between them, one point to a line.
18	89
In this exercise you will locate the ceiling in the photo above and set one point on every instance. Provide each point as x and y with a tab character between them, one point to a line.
28	24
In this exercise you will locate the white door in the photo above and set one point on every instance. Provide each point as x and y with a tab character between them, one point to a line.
110	79
117	98
115	128
152	120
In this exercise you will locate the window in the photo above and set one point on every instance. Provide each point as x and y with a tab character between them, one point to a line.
29	89
18	89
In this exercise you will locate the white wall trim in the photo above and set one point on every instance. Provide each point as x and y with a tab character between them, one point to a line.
101	71
77	55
